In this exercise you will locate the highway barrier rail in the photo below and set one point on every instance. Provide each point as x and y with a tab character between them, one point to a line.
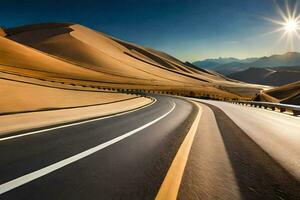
273	106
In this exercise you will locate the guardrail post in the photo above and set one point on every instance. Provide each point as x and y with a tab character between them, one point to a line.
273	108
282	109
296	112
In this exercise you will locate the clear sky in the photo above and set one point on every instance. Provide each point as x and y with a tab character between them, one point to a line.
187	29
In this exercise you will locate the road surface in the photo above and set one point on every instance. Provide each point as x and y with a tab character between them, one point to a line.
242	152
237	152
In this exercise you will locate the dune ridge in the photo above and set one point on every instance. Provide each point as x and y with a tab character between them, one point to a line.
2	32
289	94
78	55
24	95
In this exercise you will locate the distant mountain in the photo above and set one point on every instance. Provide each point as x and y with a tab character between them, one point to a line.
214	63
287	59
230	68
268	76
248	60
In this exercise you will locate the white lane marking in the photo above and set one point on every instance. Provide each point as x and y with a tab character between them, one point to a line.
5	187
73	124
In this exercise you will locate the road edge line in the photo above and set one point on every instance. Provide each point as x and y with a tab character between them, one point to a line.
171	184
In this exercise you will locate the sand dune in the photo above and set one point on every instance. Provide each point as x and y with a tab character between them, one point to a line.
21	96
96	51
76	54
289	93
19	56
31	120
2	33
61	72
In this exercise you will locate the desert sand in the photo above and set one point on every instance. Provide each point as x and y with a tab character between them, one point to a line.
29	103
2	33
85	56
23	97
25	121
289	94
48	67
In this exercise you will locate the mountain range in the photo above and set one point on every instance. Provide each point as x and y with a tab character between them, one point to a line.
215	62
275	76
224	66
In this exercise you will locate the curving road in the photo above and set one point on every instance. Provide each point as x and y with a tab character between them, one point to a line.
242	152
131	168
238	152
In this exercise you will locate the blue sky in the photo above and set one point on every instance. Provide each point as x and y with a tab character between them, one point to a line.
189	29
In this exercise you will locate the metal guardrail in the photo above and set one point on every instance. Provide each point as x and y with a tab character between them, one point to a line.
282	107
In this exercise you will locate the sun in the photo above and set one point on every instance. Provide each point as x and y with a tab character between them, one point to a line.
291	26
288	25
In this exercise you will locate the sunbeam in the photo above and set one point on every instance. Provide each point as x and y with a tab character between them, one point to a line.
289	24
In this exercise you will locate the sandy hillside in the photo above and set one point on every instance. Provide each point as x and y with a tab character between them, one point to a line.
75	54
21	95
289	94
2	33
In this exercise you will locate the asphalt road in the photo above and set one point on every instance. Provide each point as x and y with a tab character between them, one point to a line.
238	152
132	168
242	152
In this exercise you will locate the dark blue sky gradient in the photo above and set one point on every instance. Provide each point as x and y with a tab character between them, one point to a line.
190	29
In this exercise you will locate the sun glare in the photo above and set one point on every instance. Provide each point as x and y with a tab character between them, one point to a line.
291	26
288	25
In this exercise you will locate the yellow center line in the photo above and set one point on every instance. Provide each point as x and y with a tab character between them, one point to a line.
170	186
